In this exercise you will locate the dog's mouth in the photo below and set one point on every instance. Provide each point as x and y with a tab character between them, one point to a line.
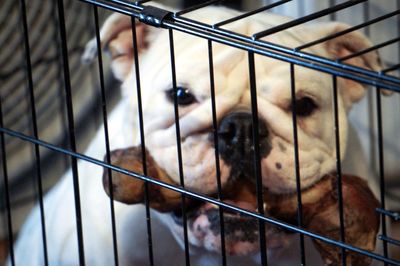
243	196
206	224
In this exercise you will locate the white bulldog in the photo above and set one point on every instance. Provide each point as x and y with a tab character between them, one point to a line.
316	143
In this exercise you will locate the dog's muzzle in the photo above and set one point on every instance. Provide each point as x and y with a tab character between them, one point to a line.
236	142
237	148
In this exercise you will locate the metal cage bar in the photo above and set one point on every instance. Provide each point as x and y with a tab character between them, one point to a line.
338	166
216	149
257	159
389	240
178	143
142	139
34	127
297	161
71	130
373	48
196	7
381	168
6	189
106	135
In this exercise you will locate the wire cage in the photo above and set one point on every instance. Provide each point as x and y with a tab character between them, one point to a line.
50	106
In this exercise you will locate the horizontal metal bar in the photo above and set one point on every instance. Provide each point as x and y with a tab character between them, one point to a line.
341	33
245	15
129	3
142	2
125	8
196	7
307	18
375	47
389	240
394	215
268	49
392	68
197	196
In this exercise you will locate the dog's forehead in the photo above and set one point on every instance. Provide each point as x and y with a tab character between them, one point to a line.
192	60
230	68
275	84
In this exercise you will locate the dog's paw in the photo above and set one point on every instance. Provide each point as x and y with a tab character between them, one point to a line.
131	190
90	52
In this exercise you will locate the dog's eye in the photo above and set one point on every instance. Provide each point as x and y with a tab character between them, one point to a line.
183	96
304	106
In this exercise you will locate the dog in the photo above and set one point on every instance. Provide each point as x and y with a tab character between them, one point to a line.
316	142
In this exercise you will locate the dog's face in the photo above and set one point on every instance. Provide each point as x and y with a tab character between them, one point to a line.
313	108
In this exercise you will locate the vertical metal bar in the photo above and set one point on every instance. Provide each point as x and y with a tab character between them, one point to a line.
34	127
6	189
338	167
366	17
296	162
106	136
62	105
381	168
178	145
398	30
142	141
216	149
370	105
333	14
257	159
71	130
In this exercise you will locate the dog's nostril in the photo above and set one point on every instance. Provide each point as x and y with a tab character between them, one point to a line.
238	128
227	131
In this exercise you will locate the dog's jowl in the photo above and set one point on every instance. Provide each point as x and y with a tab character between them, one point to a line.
235	132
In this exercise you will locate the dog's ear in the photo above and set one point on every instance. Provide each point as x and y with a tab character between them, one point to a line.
351	43
116	38
344	45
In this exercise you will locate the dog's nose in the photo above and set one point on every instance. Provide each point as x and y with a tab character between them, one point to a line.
235	139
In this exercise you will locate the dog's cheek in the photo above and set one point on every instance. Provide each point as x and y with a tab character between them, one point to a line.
279	168
198	162
277	172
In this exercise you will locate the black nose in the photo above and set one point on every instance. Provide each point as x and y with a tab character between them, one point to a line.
235	140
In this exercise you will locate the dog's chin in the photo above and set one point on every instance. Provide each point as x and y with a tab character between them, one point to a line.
240	231
204	230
